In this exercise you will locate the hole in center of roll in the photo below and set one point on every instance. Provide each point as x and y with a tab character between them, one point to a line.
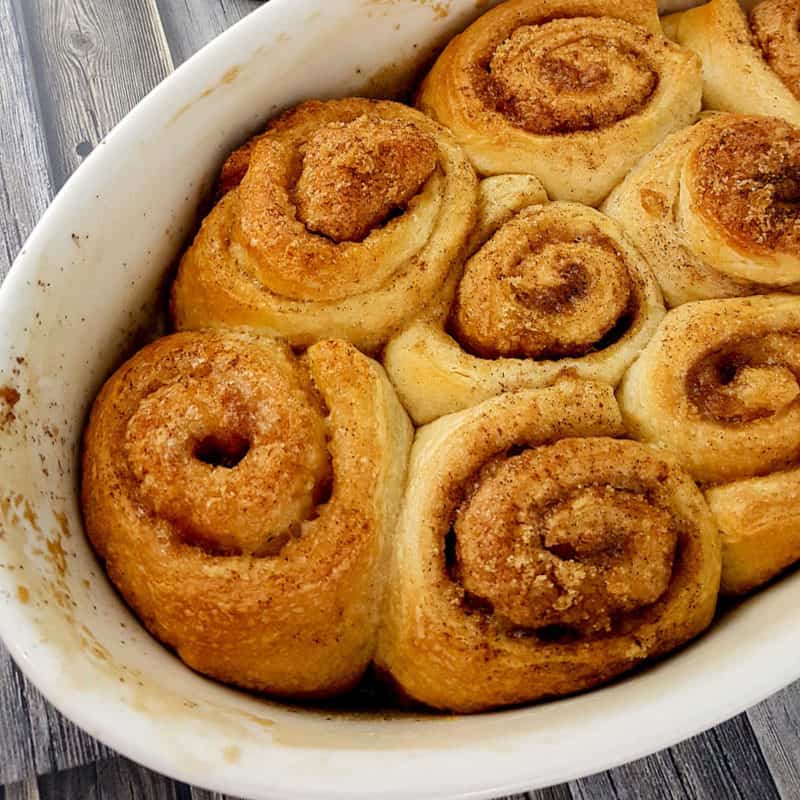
222	451
787	187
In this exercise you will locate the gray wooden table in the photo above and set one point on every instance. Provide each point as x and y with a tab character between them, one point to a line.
69	70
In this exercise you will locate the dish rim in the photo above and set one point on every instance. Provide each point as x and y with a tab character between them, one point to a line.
715	704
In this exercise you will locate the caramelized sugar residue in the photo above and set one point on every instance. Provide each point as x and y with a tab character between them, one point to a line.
9	397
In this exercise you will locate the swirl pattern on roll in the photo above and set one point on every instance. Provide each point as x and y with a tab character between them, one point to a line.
715	208
751	63
537	555
571	91
558	289
719	386
241	501
344	220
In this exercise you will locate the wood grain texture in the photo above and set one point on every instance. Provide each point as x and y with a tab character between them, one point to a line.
22	790
561	792
33	736
776	723
723	763
189	24
93	61
25	185
110	779
202	794
70	71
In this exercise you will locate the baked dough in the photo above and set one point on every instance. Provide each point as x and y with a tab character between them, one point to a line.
719	386
344	220
558	289
571	91
751	63
242	502
714	208
537	556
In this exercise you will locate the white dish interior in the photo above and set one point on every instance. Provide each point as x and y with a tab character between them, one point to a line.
84	289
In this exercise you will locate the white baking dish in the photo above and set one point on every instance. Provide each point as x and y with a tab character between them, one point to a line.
79	293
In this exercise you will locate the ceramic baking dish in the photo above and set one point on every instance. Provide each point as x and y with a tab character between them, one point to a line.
84	290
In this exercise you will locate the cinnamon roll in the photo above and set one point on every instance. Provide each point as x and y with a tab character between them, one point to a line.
345	219
719	386
751	63
536	555
572	91
241	500
715	208
558	289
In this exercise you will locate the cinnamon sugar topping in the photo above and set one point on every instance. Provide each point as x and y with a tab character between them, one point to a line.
356	173
747	379
557	78
747	179
233	451
544	547
542	288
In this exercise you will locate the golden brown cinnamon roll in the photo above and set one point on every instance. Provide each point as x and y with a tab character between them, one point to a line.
572	91
241	500
719	386
715	208
751	63
345	219
558	289
538	556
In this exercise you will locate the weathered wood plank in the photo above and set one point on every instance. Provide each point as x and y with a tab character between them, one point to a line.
776	723
187	29
600	785
202	794
561	792
23	790
70	69
26	723
725	762
110	779
16	731
93	61
25	185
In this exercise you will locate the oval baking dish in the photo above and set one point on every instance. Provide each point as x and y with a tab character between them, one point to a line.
85	289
